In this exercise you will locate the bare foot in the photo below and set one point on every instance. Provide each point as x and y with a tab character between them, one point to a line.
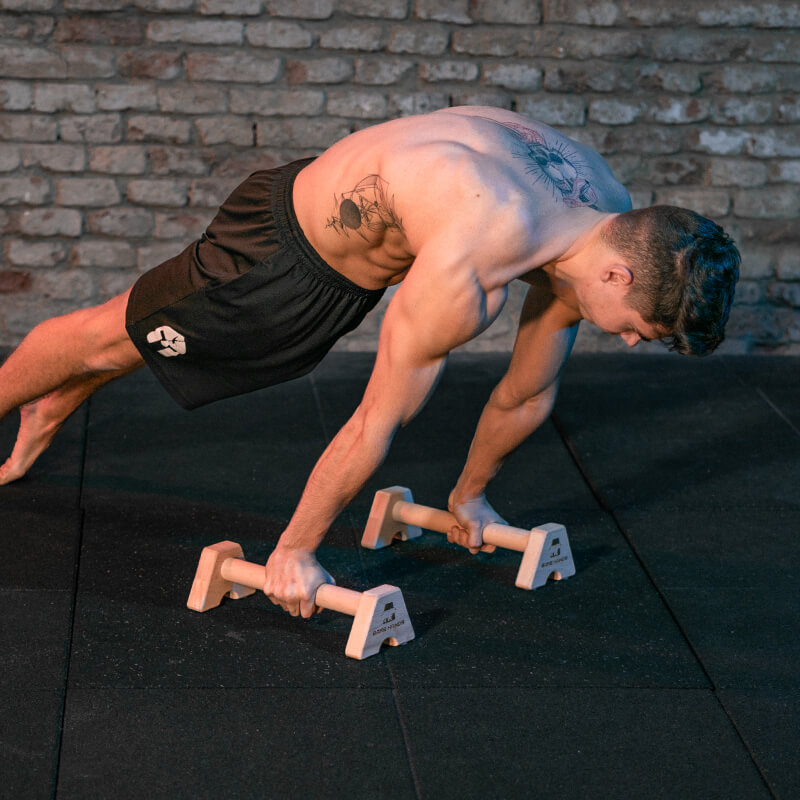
35	434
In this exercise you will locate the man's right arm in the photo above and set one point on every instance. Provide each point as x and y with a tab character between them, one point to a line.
519	404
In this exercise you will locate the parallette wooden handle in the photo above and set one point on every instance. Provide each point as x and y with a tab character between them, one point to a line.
334	598
442	521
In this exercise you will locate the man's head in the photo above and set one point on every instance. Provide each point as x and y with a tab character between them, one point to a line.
684	270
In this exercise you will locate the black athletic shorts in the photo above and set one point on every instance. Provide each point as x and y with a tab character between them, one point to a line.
249	305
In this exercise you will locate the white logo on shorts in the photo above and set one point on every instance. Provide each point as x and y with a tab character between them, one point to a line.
172	343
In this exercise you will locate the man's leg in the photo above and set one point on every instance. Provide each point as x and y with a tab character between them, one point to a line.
57	366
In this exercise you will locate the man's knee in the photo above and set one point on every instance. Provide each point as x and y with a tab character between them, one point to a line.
105	343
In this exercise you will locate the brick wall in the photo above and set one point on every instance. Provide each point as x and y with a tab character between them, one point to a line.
124	123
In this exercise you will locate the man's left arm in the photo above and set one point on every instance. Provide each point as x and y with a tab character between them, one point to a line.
519	404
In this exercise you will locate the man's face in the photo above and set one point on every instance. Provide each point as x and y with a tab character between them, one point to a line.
610	312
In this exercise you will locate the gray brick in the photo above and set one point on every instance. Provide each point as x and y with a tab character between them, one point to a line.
758	260
680	110
159	129
10	157
95	129
211	192
519	12
158	193
122	221
700	47
741	111
405	104
595	76
736	14
125	97
720	141
28	128
448	70
386	9
788	265
686	80
27	5
482	97
165	6
626	168
487	41
119	160
278	34
277	102
192	99
748	293
241	68
784	171
196	31
239	8
30	191
51	222
50	97
358	36
522	77
182	225
87	192
674	170
425	40
225	130
24	61
319	70
15	96
88	63
781	202
579	44
644	139
781	293
767	142
95	5
713	203
443	10
75	285
382	71
360	105
55	157
788	110
25	253
750	79
301	133
615	112
577	12
103	253
738	172
557	110
301	9
180	160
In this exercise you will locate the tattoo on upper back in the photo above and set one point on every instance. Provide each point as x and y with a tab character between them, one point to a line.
553	163
368	208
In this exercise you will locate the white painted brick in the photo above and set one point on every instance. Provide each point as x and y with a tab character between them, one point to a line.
51	222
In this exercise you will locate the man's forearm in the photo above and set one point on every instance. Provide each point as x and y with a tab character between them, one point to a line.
503	426
341	471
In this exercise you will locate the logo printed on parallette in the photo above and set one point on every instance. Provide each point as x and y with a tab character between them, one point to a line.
171	342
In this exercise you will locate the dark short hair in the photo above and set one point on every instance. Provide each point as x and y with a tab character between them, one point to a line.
685	269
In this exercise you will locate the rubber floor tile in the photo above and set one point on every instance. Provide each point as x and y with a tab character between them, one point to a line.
133	628
661	434
214	743
746	637
29	733
577	743
768	721
34	636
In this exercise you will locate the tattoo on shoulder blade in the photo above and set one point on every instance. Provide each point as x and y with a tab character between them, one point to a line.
555	164
368	208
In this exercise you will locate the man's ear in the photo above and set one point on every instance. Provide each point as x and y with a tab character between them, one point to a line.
618	274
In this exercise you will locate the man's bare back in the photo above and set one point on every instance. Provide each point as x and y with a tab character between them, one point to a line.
515	188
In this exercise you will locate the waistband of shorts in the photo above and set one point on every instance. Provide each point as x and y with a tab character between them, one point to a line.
292	234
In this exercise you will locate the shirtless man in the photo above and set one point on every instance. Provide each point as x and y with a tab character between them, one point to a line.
456	205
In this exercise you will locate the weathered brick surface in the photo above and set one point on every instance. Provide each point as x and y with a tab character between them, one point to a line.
124	123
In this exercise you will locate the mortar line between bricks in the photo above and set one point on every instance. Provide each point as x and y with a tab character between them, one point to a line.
597	494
